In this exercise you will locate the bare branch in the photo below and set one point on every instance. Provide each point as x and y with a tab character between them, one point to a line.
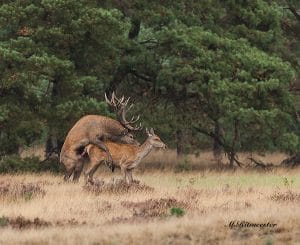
260	163
294	12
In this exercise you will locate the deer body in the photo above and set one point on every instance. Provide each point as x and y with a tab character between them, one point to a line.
127	157
95	129
91	127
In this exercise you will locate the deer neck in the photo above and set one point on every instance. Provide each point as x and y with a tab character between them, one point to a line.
144	150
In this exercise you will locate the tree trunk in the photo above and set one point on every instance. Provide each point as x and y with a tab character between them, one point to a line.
53	145
217	148
179	143
231	159
135	28
232	152
292	161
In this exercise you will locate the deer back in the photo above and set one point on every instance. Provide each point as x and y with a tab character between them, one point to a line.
119	152
91	126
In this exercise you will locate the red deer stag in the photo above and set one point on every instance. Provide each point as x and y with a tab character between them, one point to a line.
95	129
127	157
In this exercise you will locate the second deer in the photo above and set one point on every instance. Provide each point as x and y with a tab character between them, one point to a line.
126	156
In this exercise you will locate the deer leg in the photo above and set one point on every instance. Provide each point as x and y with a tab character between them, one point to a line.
89	173
98	142
129	175
78	152
124	171
70	163
78	170
68	174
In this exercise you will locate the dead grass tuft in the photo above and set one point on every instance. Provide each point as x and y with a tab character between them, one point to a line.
148	210
117	187
288	196
69	222
22	223
14	191
153	207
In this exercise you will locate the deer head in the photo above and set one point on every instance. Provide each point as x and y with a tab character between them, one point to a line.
120	107
154	140
129	139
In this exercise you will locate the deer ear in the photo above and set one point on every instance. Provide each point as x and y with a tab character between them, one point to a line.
148	133
151	131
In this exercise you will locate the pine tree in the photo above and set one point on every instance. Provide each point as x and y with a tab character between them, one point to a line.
56	57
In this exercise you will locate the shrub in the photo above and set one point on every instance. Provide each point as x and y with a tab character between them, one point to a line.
287	182
15	164
183	167
178	212
3	221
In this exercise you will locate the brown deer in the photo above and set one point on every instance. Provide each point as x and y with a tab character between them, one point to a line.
95	129
127	157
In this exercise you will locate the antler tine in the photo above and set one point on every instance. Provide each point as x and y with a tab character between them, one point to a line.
123	102
120	101
130	107
140	126
111	102
107	100
126	102
128	124
120	106
135	119
113	96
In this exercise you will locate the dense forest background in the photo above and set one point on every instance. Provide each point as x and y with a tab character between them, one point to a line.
214	74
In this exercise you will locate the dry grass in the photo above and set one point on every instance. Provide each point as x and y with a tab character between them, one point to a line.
70	214
167	159
13	191
35	150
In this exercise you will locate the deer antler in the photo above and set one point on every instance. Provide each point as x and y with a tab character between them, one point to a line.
120	108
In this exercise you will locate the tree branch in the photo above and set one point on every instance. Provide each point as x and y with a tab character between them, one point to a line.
140	76
227	149
151	41
135	28
294	11
260	163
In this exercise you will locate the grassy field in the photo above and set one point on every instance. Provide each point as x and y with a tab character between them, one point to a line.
193	207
